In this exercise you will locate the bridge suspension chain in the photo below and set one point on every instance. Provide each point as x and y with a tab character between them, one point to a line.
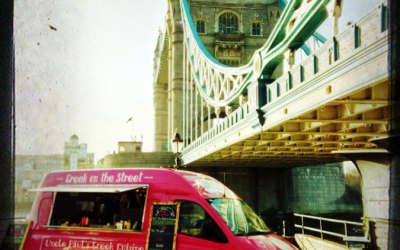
213	90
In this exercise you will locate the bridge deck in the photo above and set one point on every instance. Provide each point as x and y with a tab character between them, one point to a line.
335	99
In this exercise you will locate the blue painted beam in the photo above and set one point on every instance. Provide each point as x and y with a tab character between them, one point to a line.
282	4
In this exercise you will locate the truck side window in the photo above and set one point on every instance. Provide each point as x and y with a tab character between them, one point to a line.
121	211
194	221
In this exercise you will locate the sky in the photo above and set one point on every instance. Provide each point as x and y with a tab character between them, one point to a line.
85	67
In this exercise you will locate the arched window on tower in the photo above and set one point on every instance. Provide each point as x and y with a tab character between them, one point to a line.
228	23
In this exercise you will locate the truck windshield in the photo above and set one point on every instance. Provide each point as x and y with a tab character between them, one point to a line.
241	219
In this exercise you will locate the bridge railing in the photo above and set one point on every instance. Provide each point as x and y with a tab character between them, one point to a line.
341	231
359	35
226	123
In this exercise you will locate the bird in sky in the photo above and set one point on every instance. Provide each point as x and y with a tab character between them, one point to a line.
130	119
52	27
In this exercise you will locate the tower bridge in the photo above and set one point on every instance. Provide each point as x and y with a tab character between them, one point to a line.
318	106
282	104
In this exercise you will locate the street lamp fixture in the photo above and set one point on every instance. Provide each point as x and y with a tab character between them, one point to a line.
177	144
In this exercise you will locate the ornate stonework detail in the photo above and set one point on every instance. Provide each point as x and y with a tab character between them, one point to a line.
257	62
256	18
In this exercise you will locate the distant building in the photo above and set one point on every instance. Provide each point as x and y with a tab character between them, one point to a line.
76	155
30	169
130	155
129	146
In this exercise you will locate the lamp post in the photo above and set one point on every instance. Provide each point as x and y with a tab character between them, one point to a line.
177	144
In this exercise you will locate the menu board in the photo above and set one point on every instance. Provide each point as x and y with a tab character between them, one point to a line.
163	226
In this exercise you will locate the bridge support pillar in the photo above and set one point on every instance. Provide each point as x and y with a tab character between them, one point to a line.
374	168
175	78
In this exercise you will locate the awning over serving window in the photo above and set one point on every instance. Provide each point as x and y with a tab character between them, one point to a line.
89	188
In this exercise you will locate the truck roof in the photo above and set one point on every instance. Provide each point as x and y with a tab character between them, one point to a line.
122	179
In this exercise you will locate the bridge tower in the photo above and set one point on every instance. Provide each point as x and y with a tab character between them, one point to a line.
231	31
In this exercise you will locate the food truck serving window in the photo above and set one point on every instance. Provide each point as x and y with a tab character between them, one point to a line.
107	207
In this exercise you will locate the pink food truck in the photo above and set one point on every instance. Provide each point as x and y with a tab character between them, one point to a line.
143	208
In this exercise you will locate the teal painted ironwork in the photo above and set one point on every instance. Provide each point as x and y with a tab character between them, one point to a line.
320	38
218	84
